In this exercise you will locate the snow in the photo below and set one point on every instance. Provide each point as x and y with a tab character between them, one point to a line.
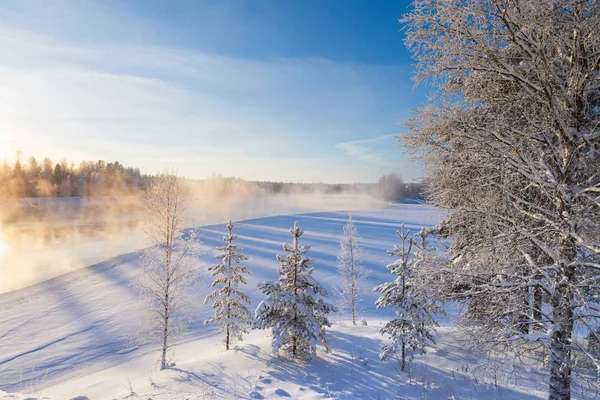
72	335
250	370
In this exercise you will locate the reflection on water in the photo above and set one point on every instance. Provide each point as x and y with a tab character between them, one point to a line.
41	239
3	245
48	237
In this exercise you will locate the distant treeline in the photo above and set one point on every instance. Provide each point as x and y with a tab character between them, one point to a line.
60	179
99	178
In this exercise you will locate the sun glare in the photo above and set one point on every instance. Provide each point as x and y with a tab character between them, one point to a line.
3	246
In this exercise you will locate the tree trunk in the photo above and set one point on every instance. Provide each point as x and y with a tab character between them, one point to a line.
353	305
403	355
537	307
227	338
560	353
560	343
523	318
228	309
163	360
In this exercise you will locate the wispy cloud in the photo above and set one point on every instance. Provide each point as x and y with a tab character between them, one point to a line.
370	150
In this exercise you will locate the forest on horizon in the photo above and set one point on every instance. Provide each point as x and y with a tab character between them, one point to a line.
48	178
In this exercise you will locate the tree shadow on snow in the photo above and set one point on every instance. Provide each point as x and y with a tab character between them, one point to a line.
354	371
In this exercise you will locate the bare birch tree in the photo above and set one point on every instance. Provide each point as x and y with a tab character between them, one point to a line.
350	289
511	150
169	266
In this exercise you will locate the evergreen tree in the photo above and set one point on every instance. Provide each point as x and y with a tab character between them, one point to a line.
295	308
57	175
230	311
414	325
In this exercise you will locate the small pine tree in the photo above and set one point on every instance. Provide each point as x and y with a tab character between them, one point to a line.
295	308
229	301
350	288
414	325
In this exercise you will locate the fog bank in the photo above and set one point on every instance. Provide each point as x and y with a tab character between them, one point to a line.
45	237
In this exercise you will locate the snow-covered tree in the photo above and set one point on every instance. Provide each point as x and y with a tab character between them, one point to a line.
411	298
511	150
295	308
391	187
593	346
229	301
169	266
350	289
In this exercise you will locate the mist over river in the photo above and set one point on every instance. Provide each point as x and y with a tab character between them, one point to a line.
44	238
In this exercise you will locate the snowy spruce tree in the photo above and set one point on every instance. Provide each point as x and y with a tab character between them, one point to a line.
169	266
411	298
511	152
295	308
350	289
229	301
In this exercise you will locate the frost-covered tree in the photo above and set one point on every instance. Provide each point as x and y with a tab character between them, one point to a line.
229	301
350	288
295	308
391	187
169	266
511	150
593	346
411	298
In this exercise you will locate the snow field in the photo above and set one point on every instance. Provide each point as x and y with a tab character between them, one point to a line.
73	335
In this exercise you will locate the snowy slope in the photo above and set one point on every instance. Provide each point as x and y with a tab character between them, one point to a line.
352	371
81	322
71	336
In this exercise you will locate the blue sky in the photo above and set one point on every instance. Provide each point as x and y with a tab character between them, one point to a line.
275	90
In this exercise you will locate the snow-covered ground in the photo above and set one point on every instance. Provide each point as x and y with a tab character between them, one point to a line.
71	337
352	371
